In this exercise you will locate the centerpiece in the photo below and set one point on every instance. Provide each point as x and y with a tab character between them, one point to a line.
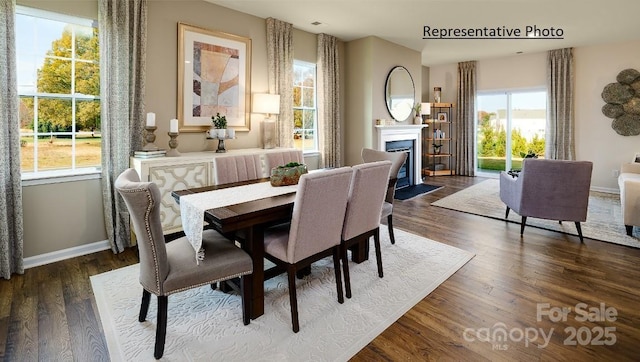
288	174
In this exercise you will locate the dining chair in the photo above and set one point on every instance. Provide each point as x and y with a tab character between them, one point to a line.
314	232
237	168
397	160
170	268
362	219
278	158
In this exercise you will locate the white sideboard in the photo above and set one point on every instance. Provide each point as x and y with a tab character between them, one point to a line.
191	169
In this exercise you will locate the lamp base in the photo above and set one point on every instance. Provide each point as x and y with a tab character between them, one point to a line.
268	134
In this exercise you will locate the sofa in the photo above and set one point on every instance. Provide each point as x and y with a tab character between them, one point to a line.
629	183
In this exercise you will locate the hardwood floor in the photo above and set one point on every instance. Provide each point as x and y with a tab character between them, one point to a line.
49	313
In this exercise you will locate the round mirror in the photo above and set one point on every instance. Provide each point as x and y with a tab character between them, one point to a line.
400	93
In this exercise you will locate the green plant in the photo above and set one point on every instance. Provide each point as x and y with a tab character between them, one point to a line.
290	164
219	122
417	108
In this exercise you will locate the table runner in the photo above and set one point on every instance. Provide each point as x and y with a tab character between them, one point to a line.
193	207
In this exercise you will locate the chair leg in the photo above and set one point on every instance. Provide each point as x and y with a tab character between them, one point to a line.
293	300
345	268
524	221
245	292
161	327
390	226
629	229
336	267
579	231
506	214
144	307
376	242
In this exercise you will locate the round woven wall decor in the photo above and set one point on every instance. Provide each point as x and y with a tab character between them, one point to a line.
623	102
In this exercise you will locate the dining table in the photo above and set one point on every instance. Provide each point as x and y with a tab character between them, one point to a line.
249	219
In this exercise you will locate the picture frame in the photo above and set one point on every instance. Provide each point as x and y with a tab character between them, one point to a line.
442	117
214	76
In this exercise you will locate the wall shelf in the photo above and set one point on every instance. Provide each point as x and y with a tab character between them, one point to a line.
438	134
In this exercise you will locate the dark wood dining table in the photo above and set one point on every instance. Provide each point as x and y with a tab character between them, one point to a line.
252	218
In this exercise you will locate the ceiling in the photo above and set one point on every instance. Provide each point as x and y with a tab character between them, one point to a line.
583	22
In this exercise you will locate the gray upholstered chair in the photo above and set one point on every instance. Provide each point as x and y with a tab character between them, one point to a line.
397	160
314	231
629	183
278	158
170	268
548	189
229	169
362	219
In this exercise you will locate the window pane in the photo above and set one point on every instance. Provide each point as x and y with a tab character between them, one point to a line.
54	115
54	152
87	78
87	43
297	118
88	138
309	98
297	97
55	76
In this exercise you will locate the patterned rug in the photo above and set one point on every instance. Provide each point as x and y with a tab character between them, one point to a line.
604	217
206	325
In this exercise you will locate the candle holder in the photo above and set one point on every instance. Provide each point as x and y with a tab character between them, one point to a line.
150	138
173	144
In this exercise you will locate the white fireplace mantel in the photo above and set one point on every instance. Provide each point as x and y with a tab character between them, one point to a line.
402	133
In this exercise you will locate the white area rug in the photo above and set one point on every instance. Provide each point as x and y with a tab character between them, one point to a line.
604	217
206	325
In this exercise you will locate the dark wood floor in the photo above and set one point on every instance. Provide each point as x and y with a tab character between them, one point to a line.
49	313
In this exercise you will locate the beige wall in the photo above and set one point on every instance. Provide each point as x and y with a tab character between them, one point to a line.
595	67
65	215
368	62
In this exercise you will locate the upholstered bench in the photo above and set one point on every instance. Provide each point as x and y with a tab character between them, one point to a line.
629	182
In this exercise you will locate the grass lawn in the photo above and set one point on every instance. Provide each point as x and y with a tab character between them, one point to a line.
54	154
497	163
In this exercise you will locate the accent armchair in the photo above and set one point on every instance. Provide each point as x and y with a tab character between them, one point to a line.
629	183
170	268
548	189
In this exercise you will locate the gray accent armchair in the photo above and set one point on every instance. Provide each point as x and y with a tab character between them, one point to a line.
548	189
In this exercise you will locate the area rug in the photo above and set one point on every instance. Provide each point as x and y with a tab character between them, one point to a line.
412	191
604	217
206	325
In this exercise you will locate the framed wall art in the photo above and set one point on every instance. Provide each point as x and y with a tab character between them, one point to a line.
442	117
214	76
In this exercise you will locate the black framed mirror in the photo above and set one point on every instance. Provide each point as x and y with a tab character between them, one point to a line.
399	93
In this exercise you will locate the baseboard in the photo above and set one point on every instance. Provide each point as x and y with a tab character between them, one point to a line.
42	259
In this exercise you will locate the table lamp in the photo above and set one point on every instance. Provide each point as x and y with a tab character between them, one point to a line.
268	104
425	110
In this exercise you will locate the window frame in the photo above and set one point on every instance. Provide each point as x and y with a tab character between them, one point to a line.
73	172
308	65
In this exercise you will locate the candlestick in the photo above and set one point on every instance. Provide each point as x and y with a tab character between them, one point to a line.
173	144
151	119
150	138
173	126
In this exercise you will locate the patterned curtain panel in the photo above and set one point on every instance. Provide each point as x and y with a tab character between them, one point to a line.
465	118
280	63
123	33
560	140
328	101
11	228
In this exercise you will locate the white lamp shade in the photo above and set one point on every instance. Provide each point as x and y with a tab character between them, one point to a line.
425	109
266	103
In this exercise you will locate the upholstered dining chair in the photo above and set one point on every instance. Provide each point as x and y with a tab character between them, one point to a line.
397	160
170	268
362	219
314	232
548	189
278	158
237	168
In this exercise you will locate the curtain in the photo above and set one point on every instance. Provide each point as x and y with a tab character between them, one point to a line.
465	118
328	101
560	140
280	73
123	28
11	227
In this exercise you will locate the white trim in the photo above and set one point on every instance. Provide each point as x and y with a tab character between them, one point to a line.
45	178
47	258
605	189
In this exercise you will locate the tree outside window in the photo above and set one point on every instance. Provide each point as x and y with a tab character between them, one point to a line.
304	107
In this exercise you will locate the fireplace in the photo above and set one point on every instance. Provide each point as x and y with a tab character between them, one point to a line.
411	133
405	174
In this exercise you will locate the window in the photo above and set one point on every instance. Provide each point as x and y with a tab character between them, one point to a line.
510	126
59	90
305	125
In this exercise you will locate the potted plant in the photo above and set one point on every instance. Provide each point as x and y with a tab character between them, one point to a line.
288	174
418	118
220	124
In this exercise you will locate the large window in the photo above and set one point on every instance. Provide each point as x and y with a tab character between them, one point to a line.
305	126
59	89
510	126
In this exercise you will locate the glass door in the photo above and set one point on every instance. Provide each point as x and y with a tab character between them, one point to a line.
509	127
